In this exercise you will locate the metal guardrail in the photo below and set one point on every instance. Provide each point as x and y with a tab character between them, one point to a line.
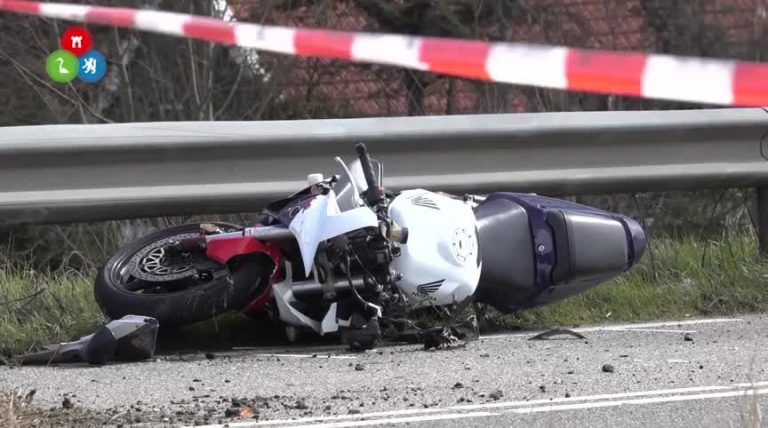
62	173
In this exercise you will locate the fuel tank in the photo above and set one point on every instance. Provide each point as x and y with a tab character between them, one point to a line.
440	262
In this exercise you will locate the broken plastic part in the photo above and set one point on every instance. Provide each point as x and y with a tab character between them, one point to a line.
130	338
556	332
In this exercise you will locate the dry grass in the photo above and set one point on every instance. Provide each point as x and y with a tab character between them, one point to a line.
14	410
17	410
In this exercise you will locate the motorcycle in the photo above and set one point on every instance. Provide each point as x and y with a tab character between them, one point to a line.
346	256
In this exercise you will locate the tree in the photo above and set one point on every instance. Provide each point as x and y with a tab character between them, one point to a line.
436	18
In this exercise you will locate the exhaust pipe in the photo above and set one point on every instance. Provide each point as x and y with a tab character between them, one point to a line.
314	288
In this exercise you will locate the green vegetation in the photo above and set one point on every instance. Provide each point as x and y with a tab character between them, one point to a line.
677	278
41	308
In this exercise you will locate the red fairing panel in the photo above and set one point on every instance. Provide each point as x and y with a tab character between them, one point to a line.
222	250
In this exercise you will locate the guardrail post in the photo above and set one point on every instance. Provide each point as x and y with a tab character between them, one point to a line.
762	219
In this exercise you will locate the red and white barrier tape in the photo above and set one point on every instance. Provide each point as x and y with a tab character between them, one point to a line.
667	77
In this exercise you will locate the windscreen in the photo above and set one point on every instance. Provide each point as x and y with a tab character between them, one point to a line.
345	193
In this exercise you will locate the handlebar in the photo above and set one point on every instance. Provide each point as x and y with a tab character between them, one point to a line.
374	196
365	162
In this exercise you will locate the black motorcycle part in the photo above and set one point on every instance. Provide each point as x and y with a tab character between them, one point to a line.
375	194
506	247
185	300
362	335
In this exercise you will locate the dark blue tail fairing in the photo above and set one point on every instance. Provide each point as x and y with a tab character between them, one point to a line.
537	250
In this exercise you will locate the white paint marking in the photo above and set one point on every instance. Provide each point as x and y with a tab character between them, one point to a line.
638	401
599	397
339	357
677	361
502	405
408	419
659	330
671	323
626	327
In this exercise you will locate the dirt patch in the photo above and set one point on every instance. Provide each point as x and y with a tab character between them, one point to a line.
17	410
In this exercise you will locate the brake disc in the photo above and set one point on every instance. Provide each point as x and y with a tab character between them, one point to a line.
151	262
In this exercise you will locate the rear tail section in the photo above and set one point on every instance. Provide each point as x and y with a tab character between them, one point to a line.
538	250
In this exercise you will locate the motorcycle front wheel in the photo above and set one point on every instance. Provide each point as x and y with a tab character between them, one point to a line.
141	279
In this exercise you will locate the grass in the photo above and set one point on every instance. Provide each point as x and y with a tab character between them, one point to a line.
43	308
678	277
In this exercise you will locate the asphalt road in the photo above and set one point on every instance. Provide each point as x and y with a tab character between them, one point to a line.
717	378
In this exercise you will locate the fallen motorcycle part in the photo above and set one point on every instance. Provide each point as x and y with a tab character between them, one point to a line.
557	332
130	338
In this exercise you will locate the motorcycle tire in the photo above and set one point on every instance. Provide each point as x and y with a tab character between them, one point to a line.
238	284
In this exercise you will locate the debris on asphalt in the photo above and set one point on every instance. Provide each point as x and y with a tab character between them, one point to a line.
27	398
556	332
67	403
496	395
607	368
542	388
458	385
301	405
359	367
567	395
210	355
247	412
687	337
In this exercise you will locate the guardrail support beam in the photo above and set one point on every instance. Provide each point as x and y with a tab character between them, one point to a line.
762	219
65	173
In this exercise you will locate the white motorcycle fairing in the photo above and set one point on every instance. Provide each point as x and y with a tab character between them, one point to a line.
440	262
294	317
323	220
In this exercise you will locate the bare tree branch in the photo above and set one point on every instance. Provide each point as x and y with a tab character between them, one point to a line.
42	82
